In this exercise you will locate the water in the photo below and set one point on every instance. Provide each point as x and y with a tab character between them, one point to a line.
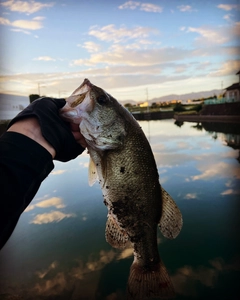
58	250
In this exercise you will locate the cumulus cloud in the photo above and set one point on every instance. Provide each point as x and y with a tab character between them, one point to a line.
34	24
147	7
53	216
229	7
28	7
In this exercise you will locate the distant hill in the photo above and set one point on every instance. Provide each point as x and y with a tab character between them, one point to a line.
183	97
11	105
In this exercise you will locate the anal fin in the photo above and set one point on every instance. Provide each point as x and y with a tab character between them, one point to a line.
171	220
115	235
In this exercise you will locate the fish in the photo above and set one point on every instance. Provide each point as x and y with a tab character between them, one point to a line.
121	159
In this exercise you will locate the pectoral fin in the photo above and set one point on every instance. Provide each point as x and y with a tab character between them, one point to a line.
171	221
114	234
92	173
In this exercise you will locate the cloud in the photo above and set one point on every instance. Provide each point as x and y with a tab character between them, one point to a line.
30	207
228	68
90	46
185	8
221	169
228	17
4	21
53	216
210	36
44	58
186	279
231	192
190	196
119	55
229	7
34	24
58	172
147	7
126	253
54	201
110	33
41	274
28	7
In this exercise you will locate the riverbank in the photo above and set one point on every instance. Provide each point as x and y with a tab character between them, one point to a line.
226	112
155	115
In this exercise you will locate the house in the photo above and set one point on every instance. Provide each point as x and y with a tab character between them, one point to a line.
143	104
232	93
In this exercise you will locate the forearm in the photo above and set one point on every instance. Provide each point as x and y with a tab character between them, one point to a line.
24	164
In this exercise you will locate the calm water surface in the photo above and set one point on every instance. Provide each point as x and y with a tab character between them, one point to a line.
58	250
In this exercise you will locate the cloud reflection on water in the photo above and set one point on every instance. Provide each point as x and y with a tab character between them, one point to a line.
53	201
220	169
55	281
186	279
53	216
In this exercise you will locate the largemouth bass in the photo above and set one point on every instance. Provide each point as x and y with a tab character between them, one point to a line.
122	160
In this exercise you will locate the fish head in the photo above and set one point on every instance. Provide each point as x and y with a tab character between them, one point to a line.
97	114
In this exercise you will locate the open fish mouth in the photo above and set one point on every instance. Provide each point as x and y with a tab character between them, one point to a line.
78	96
79	100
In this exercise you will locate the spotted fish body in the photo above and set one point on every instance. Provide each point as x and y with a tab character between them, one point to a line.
123	162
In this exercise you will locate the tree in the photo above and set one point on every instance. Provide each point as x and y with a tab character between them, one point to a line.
33	97
178	107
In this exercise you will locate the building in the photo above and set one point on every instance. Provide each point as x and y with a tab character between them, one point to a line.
143	104
232	93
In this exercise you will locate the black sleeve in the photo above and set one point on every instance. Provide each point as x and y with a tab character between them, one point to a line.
24	164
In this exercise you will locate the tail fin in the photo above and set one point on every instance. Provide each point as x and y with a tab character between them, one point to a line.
147	284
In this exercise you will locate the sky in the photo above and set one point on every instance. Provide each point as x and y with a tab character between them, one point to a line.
135	50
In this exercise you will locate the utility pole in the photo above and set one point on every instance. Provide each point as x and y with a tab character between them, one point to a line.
147	99
39	86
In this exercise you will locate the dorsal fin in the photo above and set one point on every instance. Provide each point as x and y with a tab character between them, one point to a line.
171	220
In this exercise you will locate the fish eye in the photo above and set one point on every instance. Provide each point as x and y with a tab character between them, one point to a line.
102	99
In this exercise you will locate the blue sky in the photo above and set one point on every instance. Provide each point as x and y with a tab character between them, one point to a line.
125	47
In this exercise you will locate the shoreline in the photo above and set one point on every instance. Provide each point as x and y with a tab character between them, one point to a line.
208	118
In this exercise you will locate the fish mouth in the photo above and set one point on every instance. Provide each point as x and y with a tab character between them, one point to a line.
79	94
79	100
79	103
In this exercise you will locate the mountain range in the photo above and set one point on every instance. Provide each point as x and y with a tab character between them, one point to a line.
183	97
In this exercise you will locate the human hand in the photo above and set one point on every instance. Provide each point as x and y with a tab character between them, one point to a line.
65	138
